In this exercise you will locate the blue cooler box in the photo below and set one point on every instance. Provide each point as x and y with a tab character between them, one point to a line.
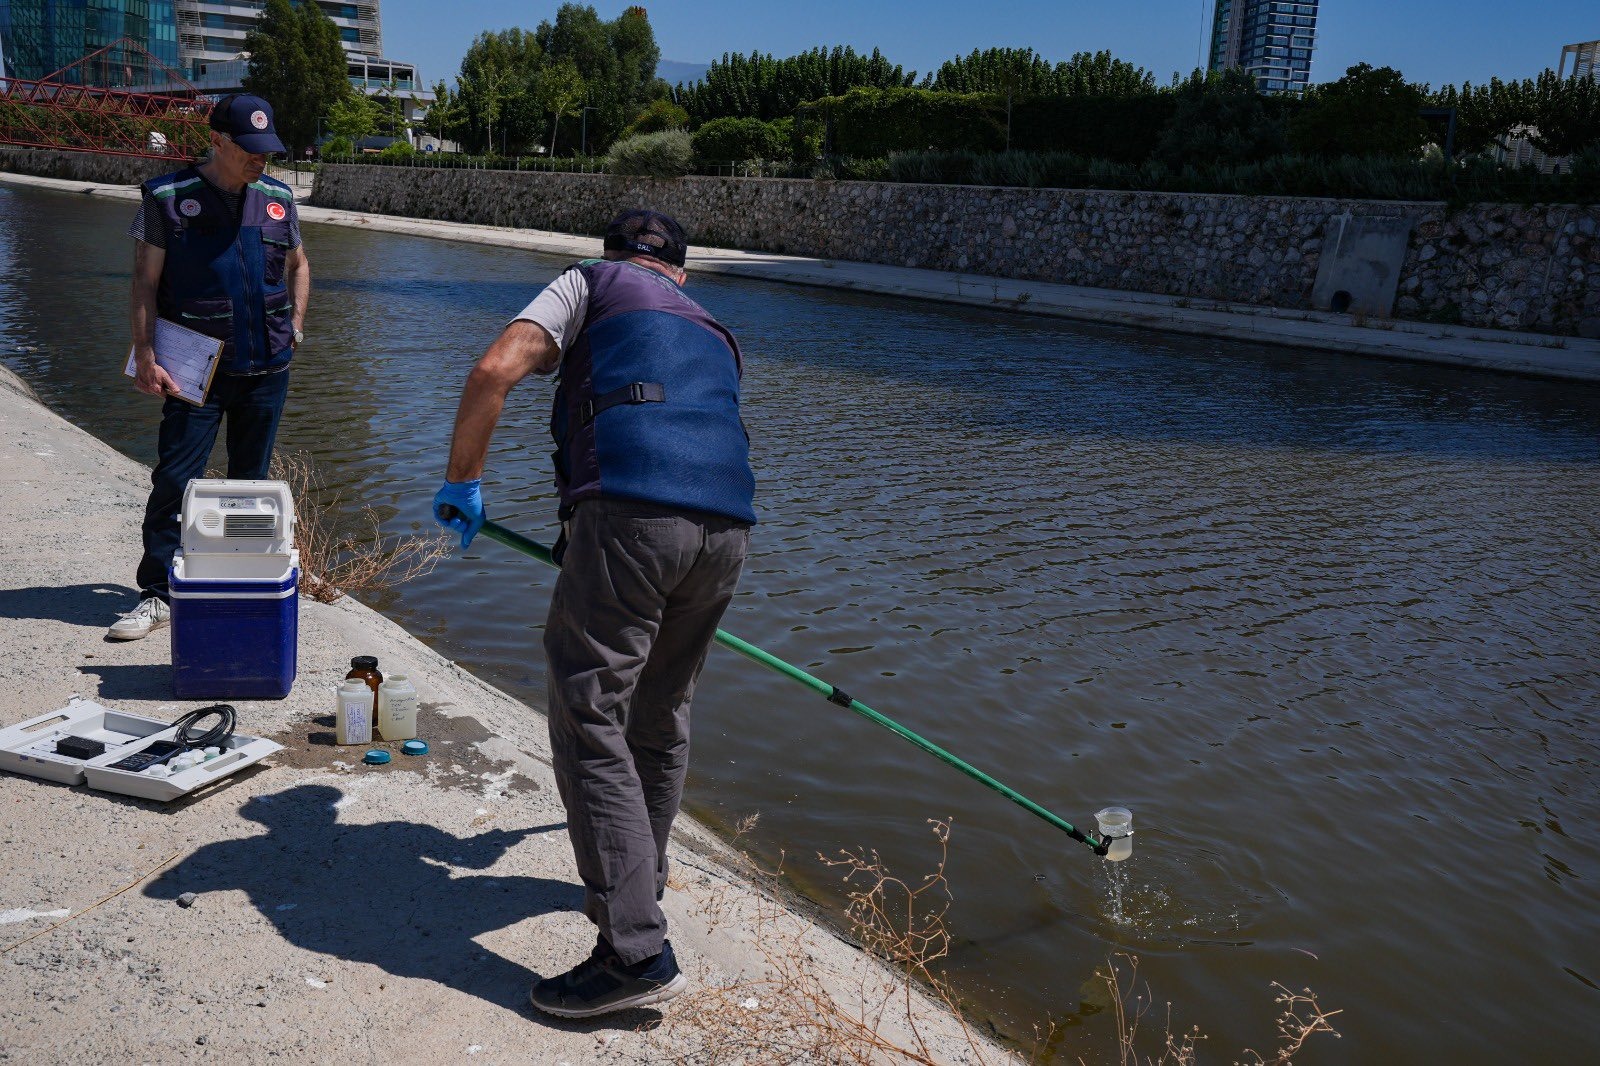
234	639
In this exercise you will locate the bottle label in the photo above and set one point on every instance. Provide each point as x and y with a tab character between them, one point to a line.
357	724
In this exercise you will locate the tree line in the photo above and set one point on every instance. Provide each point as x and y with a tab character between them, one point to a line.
578	83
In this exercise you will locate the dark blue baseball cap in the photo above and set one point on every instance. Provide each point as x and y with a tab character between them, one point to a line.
247	120
648	233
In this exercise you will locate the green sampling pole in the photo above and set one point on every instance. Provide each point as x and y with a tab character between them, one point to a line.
517	542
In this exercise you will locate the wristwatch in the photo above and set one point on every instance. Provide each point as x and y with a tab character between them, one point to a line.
299	337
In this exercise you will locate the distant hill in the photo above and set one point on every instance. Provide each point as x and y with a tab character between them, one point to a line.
674	72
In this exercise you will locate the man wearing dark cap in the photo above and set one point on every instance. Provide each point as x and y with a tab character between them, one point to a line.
652	464
217	251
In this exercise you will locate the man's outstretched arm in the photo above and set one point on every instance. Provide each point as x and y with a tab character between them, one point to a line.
523	348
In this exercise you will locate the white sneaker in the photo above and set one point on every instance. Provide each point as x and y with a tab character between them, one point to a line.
152	613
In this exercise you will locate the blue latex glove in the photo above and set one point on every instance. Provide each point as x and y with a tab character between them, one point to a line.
467	500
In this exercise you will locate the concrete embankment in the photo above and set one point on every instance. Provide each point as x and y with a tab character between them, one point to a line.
344	912
1570	358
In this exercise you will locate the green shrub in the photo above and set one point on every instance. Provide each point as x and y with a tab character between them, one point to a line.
398	150
871	122
1124	129
1221	118
847	168
337	146
740	139
660	116
669	154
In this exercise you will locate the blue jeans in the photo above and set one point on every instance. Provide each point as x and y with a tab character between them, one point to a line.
253	407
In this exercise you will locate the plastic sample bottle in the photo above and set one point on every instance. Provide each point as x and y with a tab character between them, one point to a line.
397	709
352	715
365	667
1116	829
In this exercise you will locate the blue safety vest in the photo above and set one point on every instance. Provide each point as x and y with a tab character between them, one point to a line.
224	276
647	407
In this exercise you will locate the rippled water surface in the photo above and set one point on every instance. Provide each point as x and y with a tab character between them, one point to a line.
1327	625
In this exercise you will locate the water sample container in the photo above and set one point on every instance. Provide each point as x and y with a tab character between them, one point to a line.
365	667
352	714
397	708
1116	829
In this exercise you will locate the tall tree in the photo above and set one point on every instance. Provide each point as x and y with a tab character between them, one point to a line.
1368	112
1486	114
760	86
1220	118
443	114
297	64
1100	74
494	73
501	86
355	117
1566	114
559	90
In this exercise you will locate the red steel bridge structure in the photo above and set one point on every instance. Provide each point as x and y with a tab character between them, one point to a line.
118	100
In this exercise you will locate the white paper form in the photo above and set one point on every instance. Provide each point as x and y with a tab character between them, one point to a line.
190	357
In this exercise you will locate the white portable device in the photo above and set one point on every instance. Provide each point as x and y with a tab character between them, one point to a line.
237	530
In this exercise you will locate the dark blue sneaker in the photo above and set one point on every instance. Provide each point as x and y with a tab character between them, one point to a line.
603	983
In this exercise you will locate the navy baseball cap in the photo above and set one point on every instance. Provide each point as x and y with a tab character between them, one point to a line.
247	120
648	233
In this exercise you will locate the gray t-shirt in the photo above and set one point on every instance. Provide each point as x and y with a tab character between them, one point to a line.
560	308
156	237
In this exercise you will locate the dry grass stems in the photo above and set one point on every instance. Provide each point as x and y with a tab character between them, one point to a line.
796	1013
1131	1002
344	551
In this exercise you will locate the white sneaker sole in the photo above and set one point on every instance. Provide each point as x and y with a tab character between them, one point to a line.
128	635
667	991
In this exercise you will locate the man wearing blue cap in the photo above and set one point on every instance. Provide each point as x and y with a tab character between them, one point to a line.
657	500
218	251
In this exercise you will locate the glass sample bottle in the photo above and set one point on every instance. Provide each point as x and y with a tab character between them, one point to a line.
365	667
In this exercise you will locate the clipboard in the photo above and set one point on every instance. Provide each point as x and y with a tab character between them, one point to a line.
190	358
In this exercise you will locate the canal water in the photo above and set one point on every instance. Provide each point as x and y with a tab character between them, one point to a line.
1327	625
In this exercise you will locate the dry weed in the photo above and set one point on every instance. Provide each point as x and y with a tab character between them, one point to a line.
790	1015
1131	1003
343	551
1302	1017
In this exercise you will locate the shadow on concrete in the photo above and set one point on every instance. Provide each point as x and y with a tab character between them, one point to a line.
149	681
95	606
388	894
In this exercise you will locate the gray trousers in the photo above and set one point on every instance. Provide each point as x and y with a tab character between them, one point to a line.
636	607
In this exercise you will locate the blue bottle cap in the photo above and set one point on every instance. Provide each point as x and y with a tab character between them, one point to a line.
377	757
415	747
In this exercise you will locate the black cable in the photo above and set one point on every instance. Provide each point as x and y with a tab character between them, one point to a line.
215	737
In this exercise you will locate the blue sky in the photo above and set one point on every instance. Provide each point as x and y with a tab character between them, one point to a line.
1435	41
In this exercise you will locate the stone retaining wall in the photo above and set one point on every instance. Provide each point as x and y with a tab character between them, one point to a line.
85	166
1501	265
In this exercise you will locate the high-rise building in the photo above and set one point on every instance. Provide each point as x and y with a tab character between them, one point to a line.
40	37
211	36
1585	56
1269	39
213	31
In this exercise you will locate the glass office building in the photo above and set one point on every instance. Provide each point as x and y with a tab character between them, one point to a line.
40	37
213	31
211	36
1270	39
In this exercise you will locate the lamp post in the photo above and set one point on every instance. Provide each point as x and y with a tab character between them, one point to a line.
583	136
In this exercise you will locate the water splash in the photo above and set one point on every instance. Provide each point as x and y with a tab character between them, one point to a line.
1117	879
